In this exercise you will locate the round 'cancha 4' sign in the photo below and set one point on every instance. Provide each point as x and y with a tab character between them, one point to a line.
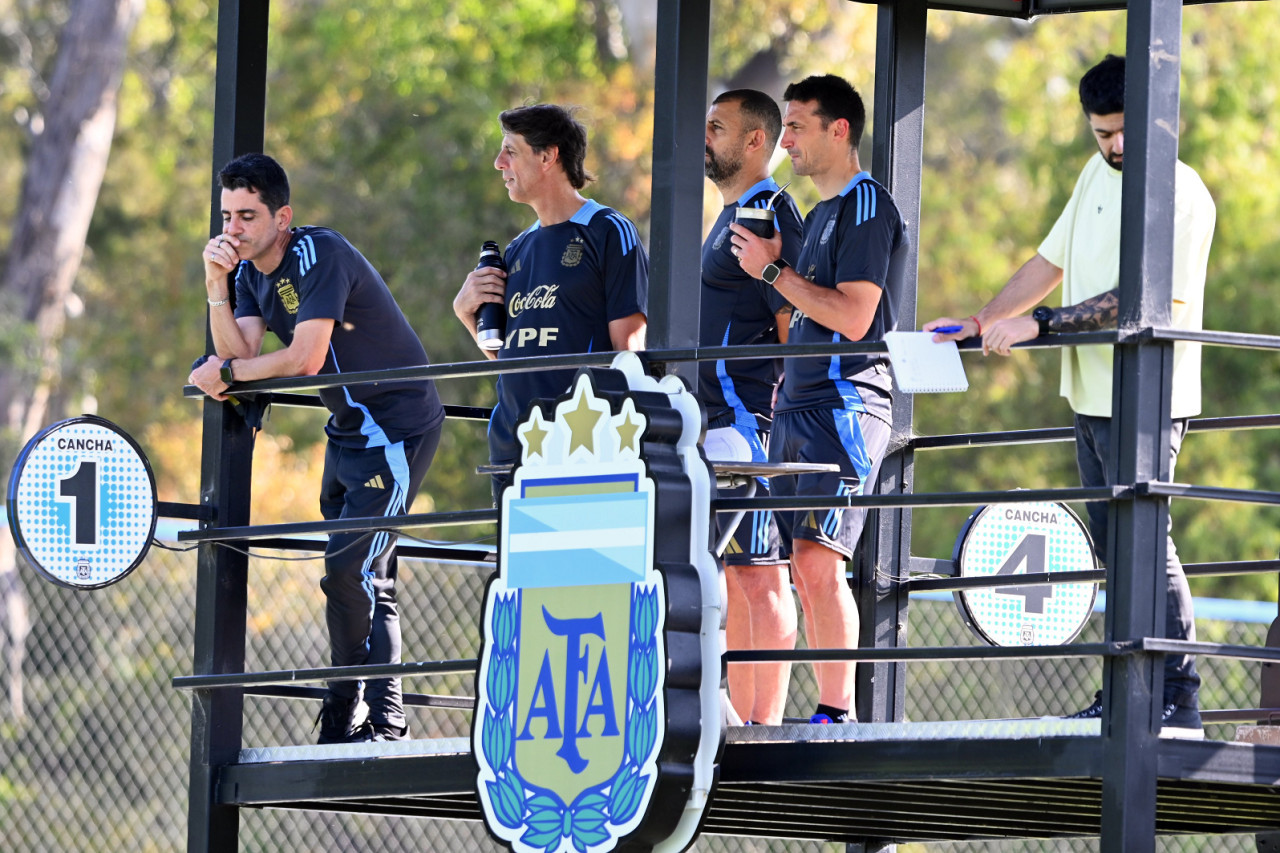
82	503
1020	539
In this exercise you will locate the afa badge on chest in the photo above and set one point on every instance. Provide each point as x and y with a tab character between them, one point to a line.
82	503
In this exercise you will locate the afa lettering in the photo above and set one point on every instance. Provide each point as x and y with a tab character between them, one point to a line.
544	336
544	703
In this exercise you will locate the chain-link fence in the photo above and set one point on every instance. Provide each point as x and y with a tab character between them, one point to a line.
99	762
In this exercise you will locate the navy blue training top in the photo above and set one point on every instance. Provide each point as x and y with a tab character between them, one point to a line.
565	284
323	276
858	235
738	310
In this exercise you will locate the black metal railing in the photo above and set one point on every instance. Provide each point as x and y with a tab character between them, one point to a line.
923	574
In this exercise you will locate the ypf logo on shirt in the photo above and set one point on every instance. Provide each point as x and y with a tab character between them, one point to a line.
288	295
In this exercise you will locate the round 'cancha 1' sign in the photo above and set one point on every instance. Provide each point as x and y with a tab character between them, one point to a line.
82	503
1020	539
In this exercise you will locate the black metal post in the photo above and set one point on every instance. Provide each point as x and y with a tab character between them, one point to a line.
1140	410
221	602
240	100
897	140
226	462
675	221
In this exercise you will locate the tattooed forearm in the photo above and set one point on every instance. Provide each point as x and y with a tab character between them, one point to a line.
1097	312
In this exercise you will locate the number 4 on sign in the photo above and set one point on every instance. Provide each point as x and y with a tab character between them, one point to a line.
1033	550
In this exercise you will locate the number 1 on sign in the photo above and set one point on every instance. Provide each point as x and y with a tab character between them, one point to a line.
80	490
1033	550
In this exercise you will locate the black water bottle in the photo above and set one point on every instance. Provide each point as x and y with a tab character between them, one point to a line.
491	319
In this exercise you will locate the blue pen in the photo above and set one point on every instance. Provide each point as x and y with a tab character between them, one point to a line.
948	330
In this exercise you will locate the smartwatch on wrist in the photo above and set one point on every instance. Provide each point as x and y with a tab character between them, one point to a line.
1043	315
771	271
227	376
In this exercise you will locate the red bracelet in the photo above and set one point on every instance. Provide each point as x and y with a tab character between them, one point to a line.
974	318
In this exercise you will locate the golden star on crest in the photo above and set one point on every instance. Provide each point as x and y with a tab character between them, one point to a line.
534	434
629	430
582	422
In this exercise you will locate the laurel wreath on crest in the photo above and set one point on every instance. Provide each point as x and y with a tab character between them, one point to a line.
614	802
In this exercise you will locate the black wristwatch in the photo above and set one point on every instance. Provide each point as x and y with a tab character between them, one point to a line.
1043	315
227	376
771	271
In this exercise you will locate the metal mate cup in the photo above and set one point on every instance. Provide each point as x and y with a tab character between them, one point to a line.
757	220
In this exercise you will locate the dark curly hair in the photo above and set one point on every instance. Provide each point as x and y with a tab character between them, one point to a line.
260	174
1102	87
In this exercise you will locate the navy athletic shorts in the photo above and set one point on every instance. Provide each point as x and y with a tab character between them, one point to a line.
856	441
755	541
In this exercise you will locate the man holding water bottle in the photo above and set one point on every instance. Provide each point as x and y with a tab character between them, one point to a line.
576	280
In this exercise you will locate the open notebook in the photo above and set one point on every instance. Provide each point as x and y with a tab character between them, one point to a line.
921	366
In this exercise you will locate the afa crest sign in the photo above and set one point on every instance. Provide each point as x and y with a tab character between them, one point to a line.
598	716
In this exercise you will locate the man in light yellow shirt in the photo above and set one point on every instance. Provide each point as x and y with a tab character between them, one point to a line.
1082	252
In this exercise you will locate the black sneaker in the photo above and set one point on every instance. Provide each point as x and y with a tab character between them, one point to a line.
388	732
337	721
1181	721
1176	721
1093	712
362	733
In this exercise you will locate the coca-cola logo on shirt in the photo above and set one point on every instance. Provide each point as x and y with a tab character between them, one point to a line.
543	296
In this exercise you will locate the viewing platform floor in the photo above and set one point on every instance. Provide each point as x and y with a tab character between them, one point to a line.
928	781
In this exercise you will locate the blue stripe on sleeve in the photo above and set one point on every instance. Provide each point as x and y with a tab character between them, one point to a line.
626	231
306	252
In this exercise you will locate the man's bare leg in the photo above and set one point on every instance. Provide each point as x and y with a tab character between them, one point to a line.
737	631
833	615
772	609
